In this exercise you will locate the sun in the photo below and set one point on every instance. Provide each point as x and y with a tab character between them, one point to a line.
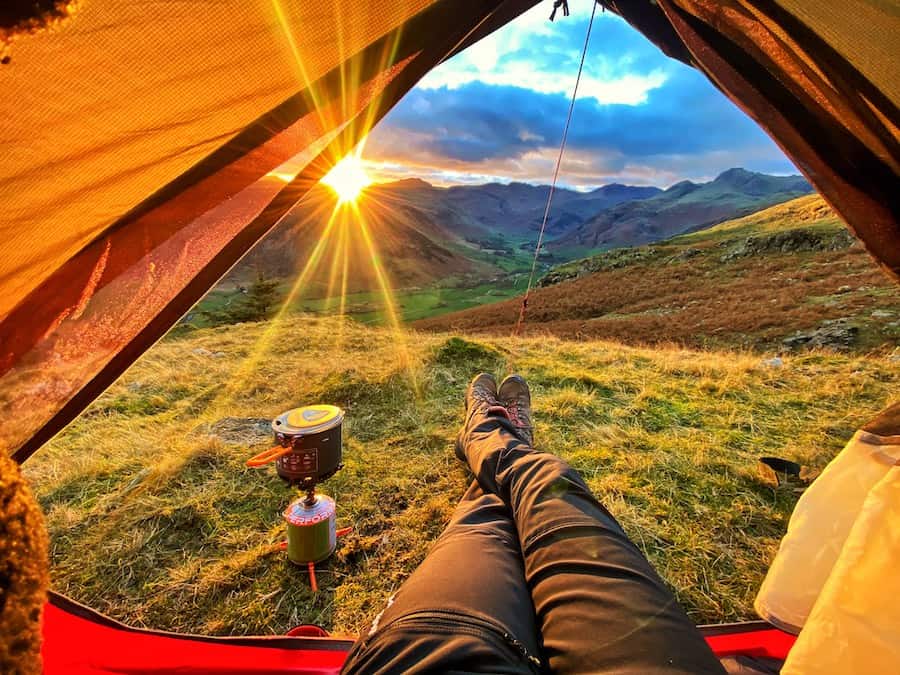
347	178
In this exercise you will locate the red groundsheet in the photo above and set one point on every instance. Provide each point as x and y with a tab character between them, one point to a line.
79	641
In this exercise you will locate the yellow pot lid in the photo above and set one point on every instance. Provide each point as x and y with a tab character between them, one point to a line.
309	419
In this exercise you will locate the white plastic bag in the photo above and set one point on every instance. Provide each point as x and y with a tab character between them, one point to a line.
819	527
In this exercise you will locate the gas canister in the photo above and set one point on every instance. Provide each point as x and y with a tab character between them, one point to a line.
311	529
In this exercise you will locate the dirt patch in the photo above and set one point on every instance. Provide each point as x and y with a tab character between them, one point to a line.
240	430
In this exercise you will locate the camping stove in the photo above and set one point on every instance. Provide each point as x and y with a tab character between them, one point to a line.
308	450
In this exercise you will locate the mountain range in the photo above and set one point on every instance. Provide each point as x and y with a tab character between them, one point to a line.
684	207
432	233
413	247
514	209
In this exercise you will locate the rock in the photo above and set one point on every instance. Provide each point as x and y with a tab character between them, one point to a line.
686	254
219	355
556	277
844	289
882	314
135	386
837	334
199	351
796	341
789	241
774	362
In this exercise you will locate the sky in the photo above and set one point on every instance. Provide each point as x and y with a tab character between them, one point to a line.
496	112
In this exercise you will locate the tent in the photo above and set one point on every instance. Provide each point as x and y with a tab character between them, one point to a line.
142	144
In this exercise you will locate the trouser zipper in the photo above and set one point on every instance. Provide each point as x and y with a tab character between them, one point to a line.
465	623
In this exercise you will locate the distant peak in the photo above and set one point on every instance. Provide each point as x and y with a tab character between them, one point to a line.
407	183
736	172
753	182
683	187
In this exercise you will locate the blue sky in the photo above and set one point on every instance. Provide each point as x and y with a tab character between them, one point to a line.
496	113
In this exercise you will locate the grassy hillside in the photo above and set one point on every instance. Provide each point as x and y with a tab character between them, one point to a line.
418	303
749	282
809	212
368	306
155	520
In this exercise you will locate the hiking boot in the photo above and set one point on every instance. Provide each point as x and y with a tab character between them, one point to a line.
482	391
481	394
516	398
481	399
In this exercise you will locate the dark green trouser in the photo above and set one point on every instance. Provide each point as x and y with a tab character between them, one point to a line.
532	574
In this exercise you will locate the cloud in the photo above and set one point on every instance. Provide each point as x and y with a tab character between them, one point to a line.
498	114
546	56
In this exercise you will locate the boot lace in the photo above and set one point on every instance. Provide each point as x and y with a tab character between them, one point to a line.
512	407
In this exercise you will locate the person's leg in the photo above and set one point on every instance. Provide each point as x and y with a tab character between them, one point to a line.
466	609
601	608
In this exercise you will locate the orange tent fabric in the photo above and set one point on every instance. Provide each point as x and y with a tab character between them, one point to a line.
141	141
142	144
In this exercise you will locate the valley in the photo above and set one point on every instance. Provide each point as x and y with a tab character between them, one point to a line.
741	261
457	248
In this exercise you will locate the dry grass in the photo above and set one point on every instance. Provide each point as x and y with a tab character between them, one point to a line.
694	304
159	524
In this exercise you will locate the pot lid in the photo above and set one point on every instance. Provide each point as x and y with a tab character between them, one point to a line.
310	419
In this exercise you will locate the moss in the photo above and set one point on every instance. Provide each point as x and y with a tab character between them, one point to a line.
473	356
